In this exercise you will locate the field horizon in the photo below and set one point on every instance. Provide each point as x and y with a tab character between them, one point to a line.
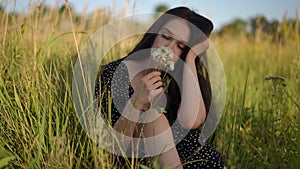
39	127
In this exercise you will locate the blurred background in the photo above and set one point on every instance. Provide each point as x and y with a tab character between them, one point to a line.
258	43
221	13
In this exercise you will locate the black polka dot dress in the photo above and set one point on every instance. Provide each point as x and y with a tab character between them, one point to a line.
114	79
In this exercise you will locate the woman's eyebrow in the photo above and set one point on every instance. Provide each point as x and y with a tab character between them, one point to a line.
171	33
166	29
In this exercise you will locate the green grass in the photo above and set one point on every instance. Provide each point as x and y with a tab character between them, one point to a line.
39	127
259	126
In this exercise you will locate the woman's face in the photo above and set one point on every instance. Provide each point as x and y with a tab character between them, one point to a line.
174	34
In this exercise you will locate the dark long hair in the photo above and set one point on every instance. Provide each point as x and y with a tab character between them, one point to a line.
200	28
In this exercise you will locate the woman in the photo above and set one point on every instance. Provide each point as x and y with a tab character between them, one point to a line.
136	86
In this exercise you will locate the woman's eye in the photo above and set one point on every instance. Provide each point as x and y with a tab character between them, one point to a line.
166	36
180	46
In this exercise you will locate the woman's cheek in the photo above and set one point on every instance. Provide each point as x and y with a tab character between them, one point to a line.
175	58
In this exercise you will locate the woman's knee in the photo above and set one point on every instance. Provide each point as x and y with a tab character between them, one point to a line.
159	125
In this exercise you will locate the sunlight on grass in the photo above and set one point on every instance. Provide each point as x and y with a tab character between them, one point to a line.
39	127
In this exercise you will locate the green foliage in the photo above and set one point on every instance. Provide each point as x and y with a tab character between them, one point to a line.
261	28
5	156
39	127
259	126
160	9
238	26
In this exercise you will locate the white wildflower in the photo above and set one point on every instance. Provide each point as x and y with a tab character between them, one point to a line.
163	56
169	65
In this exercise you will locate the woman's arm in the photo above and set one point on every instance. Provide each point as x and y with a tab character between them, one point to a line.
126	124
148	87
113	96
192	113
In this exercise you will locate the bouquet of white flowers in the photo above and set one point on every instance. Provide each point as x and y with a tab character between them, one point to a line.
163	56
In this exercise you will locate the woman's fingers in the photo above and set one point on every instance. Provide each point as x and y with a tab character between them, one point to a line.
155	93
152	81
150	75
157	85
151	86
199	48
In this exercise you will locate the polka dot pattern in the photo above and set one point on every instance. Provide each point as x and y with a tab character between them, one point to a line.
191	153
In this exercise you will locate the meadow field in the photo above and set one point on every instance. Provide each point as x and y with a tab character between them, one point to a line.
39	127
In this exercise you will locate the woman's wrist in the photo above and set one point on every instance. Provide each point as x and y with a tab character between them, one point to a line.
190	60
140	107
131	112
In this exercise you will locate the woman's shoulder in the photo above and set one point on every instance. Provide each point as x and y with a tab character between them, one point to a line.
109	69
112	66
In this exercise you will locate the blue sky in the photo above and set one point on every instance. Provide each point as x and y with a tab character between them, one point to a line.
219	11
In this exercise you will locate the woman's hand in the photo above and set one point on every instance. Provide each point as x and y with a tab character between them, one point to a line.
198	49
149	87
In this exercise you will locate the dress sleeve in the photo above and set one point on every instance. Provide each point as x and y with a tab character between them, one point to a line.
112	91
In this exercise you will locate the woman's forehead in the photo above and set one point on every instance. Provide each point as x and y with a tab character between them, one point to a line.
178	28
